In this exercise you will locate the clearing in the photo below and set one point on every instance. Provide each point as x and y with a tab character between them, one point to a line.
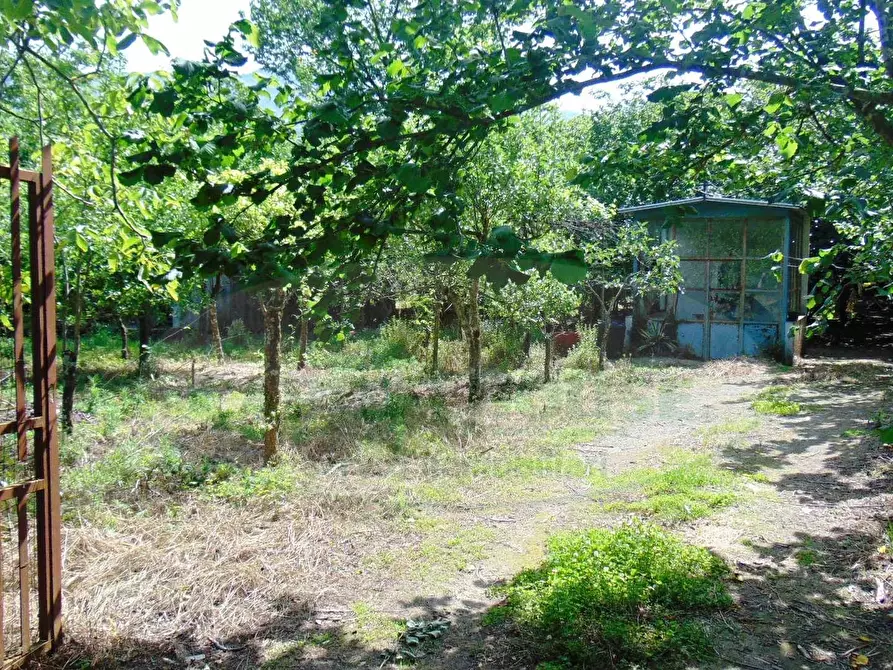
397	502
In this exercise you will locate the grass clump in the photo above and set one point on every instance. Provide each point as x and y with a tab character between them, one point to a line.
374	627
720	432
584	356
691	487
776	400
617	598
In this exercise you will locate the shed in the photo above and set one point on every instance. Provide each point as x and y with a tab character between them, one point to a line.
737	299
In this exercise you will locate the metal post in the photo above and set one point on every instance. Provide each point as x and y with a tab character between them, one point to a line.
47	458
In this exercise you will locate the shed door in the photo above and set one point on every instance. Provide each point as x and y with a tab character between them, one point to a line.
733	298
744	285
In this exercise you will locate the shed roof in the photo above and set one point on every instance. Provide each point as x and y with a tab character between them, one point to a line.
721	200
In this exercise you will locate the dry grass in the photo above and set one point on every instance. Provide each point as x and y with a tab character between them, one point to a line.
389	488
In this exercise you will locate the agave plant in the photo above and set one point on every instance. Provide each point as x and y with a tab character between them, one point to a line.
655	340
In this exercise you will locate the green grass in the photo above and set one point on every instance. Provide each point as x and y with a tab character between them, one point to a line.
688	487
722	432
806	557
775	400
617	598
444	550
373	627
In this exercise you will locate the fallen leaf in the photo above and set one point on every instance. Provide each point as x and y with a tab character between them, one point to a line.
859	661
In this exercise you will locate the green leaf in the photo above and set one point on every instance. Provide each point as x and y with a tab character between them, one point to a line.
396	69
668	92
787	145
410	175
154	46
570	267
733	99
163	102
171	288
126	42
17	10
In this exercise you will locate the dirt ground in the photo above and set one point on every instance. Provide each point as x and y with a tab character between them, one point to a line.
812	589
827	496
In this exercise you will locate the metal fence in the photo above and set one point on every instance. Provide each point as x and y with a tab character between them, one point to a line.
30	527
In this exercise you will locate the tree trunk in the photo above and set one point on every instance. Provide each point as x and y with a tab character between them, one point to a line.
125	340
435	339
526	344
302	343
459	306
70	357
603	328
273	307
474	342
213	323
547	365
883	12
145	337
605	335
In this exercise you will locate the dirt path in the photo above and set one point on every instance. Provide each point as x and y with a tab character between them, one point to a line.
809	581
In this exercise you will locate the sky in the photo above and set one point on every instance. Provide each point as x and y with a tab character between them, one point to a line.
201	20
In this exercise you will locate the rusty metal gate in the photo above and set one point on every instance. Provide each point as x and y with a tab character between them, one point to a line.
30	552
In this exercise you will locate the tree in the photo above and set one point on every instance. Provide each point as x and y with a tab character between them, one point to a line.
100	259
452	72
518	181
542	303
625	261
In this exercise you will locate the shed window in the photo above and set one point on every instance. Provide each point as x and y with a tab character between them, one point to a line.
726	239
725	274
691	237
764	237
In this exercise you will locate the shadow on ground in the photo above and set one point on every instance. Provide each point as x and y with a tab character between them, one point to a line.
812	601
301	636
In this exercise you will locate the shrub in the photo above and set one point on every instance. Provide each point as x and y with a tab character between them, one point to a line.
401	339
614	598
504	349
584	356
452	357
238	332
656	340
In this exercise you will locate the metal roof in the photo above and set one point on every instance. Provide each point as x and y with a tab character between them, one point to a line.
709	198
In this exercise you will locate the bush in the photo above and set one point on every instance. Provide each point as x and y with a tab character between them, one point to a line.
238	332
402	339
615	598
452	357
584	356
504	349
396	343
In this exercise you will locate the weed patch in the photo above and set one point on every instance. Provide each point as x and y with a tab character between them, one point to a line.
373	627
444	550
690	487
775	400
617	598
722	432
